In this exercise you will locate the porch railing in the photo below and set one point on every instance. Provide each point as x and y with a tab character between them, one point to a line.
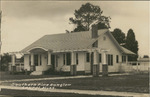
19	66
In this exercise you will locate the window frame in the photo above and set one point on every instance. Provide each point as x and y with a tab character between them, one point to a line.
68	59
77	58
100	58
117	58
87	57
64	59
109	58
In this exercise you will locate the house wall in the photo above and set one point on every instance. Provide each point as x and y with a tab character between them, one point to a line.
108	44
26	62
81	65
44	59
87	64
66	68
60	62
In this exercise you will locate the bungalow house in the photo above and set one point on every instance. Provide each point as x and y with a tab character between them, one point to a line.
81	52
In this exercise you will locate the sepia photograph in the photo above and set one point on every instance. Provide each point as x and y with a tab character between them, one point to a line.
78	48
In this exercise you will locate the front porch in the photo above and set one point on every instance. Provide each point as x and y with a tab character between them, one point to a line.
67	61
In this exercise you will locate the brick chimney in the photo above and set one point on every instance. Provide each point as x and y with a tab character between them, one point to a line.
94	31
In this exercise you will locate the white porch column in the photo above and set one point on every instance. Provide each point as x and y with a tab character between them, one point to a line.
73	58
32	59
95	65
39	59
105	65
73	64
13	67
95	57
13	59
104	59
126	59
49	58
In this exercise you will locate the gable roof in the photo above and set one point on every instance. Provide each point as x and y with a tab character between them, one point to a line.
126	51
122	49
67	41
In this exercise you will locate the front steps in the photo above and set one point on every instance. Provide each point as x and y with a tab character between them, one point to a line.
37	73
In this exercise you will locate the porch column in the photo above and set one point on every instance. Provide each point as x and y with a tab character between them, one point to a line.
105	65
95	65
32	62
73	64
49	58
13	62
39	59
126	59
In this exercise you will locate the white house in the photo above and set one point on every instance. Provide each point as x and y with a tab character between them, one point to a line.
80	52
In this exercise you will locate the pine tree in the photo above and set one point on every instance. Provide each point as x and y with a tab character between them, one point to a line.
119	36
87	14
132	45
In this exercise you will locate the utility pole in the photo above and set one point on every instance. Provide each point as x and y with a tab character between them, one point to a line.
0	33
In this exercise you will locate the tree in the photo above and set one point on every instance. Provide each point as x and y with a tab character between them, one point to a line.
132	44
5	59
119	36
86	15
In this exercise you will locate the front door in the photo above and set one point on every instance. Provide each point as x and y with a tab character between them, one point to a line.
36	59
53	61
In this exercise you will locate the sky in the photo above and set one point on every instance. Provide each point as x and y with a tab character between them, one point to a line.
23	22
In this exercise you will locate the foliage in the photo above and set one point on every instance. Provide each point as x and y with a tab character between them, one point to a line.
5	59
119	36
86	15
132	44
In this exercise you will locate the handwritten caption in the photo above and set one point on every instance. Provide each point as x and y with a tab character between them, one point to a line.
41	85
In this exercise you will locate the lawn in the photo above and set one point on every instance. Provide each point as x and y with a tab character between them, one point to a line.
138	83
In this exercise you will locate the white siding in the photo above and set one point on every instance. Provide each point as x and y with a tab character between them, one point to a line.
87	64
80	66
108	44
60	61
26	62
44	59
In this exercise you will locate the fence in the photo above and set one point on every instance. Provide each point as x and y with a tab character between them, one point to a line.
135	67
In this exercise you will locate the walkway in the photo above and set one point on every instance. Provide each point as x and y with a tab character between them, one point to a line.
57	78
89	92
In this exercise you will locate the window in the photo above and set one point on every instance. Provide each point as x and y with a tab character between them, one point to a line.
77	59
95	44
56	60
68	58
100	58
29	59
64	59
117	58
87	57
123	58
109	59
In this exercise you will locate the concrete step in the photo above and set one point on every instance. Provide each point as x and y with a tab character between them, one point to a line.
37	73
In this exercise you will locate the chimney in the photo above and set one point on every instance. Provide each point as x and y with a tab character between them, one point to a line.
94	31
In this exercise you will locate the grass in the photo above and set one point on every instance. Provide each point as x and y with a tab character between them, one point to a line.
138	83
